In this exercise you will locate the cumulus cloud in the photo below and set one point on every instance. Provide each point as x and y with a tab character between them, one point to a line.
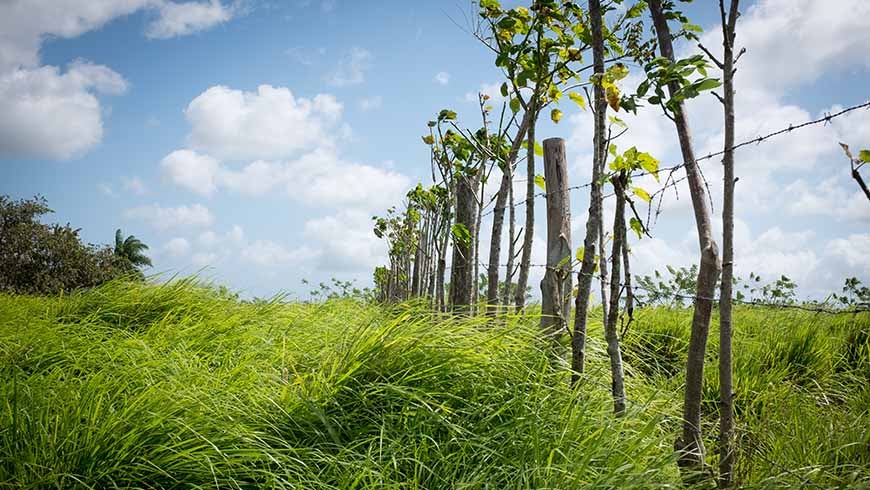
269	123
269	253
179	19
46	113
442	78
50	114
346	241
177	247
165	218
351	68
191	170
289	143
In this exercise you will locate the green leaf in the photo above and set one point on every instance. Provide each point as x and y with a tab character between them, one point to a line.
429	139
578	99
539	150
540	182
615	120
580	252
864	155
648	163
515	105
556	115
447	115
612	149
707	84
504	89
637	226
641	194
461	233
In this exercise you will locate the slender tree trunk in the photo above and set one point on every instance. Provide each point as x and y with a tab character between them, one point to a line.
593	223
416	279
602	266
617	386
525	262
476	235
690	445
626	267
442	260
461	281
556	285
498	217
726	381
512	242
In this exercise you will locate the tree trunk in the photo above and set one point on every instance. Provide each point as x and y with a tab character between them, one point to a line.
691	445
461	269
617	380
512	242
726	381
525	262
498	217
593	220
556	285
475	300
442	260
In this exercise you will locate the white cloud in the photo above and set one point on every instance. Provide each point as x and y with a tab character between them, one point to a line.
179	19
191	170
269	253
202	259
269	123
106	189
164	218
371	103
853	250
442	77
351	68
177	247
346	241
48	114
134	185
793	42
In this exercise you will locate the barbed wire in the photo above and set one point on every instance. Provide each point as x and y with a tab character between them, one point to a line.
809	307
756	140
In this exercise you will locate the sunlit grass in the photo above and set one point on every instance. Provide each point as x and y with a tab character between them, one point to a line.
177	386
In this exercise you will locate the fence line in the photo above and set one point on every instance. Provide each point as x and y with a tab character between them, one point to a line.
757	140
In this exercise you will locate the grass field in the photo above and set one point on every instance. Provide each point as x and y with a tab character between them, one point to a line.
177	386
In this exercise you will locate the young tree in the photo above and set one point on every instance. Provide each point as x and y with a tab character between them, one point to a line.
666	72
132	249
726	381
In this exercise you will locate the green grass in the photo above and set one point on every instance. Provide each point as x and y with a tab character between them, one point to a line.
176	386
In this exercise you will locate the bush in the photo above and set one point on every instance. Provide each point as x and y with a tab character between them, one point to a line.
37	258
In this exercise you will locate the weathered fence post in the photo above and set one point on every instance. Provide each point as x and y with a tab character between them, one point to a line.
461	280
556	285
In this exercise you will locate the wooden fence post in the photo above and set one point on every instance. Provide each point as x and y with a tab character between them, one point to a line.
556	285
462	269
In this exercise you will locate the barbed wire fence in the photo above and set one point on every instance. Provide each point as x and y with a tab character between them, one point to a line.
670	169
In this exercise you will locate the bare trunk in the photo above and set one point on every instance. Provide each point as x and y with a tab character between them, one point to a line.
512	242
476	234
602	267
498	218
461	269
593	223
442	261
556	285
691	445
726	381
525	262
617	379
626	285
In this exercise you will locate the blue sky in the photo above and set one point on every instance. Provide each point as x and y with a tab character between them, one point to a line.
253	140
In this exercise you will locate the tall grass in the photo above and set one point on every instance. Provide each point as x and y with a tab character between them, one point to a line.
177	386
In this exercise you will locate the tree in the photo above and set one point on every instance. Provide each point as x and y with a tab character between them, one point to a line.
38	258
726	380
132	249
665	72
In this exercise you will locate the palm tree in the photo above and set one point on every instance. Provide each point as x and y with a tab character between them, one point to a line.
131	249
